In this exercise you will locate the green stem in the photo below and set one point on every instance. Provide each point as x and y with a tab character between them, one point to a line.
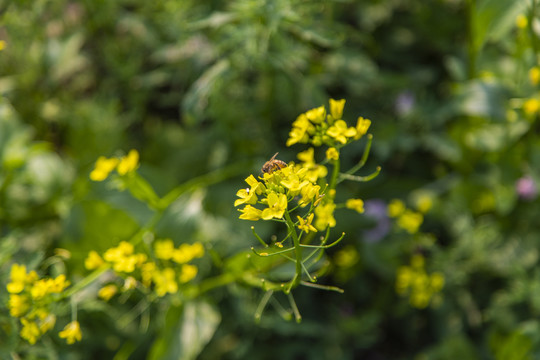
86	281
472	45
364	158
297	250
335	174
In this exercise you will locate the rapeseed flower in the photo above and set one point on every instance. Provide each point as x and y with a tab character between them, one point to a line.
340	132
107	292
355	204
332	154
93	260
305	225
103	168
128	163
336	108
325	216
71	332
277	204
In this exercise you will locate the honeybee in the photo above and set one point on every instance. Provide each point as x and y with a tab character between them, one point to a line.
273	164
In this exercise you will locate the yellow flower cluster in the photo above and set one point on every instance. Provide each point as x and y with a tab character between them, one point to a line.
30	300
170	269
407	219
318	127
276	190
314	170
414	281
124	165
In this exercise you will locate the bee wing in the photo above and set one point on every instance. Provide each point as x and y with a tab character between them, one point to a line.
274	157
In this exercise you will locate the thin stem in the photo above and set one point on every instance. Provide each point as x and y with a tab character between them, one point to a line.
364	158
265	254
335	174
295	310
262	304
346	176
86	281
258	237
297	249
325	246
322	287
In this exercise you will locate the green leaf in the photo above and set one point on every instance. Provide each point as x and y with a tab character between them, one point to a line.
187	330
495	18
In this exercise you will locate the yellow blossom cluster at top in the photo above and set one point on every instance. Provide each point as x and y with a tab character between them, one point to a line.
164	275
318	127
124	165
31	299
415	282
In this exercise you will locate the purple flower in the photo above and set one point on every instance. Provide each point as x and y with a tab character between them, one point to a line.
404	103
376	209
526	188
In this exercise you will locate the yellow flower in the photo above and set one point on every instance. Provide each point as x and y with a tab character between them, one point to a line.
186	252
534	75
93	261
531	106
395	208
423	201
305	225
314	170
250	213
18	305
30	331
355	204
59	284
362	126
309	193
294	184
346	257
336	108
128	263
164	249
325	216
129	283
299	132
332	154
246	197
436	281
277	204
47	323
147	273
420	299
249	195
40	289
340	132
187	273
128	163
307	156
103	168
316	115
2	45
72	332
117	253
521	21
107	292
404	279
18	279
410	221
165	282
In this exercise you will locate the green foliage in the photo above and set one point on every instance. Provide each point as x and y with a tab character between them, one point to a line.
207	91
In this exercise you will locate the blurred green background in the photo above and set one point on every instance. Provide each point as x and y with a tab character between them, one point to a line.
198	86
